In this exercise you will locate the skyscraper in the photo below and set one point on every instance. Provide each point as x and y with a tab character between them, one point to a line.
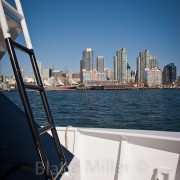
86	62
169	74
154	62
88	57
100	63
121	65
143	61
82	66
128	73
115	67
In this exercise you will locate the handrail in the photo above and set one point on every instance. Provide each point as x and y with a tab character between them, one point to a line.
12	9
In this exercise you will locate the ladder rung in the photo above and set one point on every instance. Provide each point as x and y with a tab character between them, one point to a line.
45	128
22	48
34	87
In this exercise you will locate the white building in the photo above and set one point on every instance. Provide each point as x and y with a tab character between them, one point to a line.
108	73
92	75
46	73
153	77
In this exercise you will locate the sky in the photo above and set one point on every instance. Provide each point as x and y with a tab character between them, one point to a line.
61	29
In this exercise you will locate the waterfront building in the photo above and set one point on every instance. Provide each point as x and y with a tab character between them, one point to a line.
92	76
115	67
39	64
88	58
82	66
143	61
169	74
47	73
121	65
100	63
86	75
111	75
99	75
154	61
100	82
108	73
133	76
128	73
138	71
153	77
86	62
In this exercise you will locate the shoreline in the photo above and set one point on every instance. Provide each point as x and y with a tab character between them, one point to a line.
100	88
124	88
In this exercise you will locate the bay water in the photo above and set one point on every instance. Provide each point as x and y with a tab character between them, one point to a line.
123	109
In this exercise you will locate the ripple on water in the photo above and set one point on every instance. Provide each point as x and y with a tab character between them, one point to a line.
145	109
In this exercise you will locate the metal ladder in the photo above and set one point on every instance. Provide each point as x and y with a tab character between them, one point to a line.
37	133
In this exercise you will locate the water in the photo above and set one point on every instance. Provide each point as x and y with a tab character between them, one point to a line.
143	109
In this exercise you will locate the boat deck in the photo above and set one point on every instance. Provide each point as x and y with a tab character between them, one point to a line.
19	158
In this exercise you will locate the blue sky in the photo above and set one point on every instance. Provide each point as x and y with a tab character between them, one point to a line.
61	29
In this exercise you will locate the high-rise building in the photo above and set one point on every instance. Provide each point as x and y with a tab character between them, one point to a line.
86	62
100	63
88	57
115	67
143	61
154	62
82	66
169	74
128	73
39	64
121	65
133	76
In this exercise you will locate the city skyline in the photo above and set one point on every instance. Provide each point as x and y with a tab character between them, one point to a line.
153	62
59	37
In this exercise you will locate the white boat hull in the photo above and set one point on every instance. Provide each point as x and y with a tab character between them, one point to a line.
114	154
